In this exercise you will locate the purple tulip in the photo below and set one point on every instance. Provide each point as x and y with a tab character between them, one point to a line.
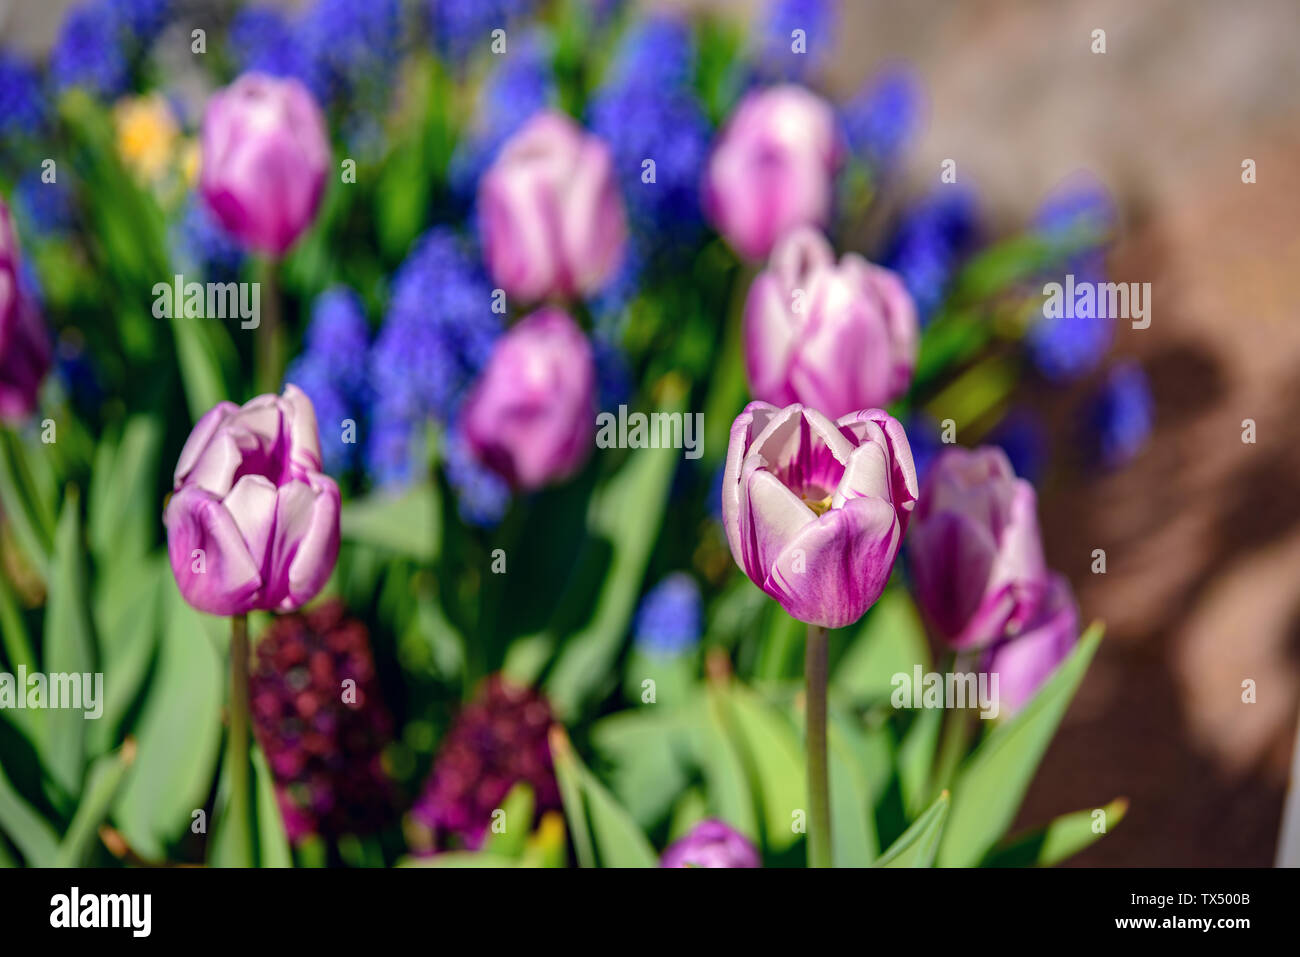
711	843
976	556
814	509
773	169
551	214
531	416
253	522
1023	662
24	342
834	337
265	155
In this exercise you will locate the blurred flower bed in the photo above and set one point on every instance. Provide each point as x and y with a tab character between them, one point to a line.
475	229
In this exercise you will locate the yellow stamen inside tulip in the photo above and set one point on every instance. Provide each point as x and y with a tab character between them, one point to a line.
820	505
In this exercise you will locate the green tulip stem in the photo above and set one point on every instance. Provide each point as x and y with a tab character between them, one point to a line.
819	802
239	807
269	347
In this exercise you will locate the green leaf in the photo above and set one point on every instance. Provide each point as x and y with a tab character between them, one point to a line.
566	776
272	839
917	845
459	859
517	820
24	507
122	511
408	524
618	841
991	784
916	757
776	758
69	647
642	746
853	830
30	832
179	732
889	642
1063	838
627	512
102	783
128	607
726	779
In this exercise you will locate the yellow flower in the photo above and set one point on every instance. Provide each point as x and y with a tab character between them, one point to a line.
146	135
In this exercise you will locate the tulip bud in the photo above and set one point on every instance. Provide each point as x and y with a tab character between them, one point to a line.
531	416
815	510
835	338
552	217
1023	662
253	523
711	843
264	161
976	556
773	169
24	342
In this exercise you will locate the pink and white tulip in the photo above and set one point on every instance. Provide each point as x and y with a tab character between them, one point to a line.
551	215
975	553
815	509
24	342
531	416
836	337
253	522
773	169
1023	662
265	156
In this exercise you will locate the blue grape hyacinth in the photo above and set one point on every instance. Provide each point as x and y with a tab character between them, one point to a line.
23	110
89	51
462	27
883	116
931	241
818	19
329	370
437	336
670	619
1121	415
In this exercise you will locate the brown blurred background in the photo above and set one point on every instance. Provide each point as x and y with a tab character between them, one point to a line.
1201	532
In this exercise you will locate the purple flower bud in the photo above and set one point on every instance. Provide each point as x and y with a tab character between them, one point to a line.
497	741
551	216
711	843
815	509
837	338
253	522
322	737
24	343
1023	662
772	169
976	556
531	416
264	160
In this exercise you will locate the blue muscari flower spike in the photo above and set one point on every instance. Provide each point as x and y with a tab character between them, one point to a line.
646	109
1121	415
263	39
141	20
352	46
1067	347
932	239
437	336
883	116
462	27
1023	437
329	370
670	619
89	51
203	246
46	208
23	110
816	18
482	496
521	84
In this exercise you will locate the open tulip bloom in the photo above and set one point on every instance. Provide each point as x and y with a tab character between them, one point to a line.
815	511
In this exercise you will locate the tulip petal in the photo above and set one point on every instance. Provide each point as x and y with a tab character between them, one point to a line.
770	517
211	563
252	505
306	541
837	566
952	559
751	421
199	438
